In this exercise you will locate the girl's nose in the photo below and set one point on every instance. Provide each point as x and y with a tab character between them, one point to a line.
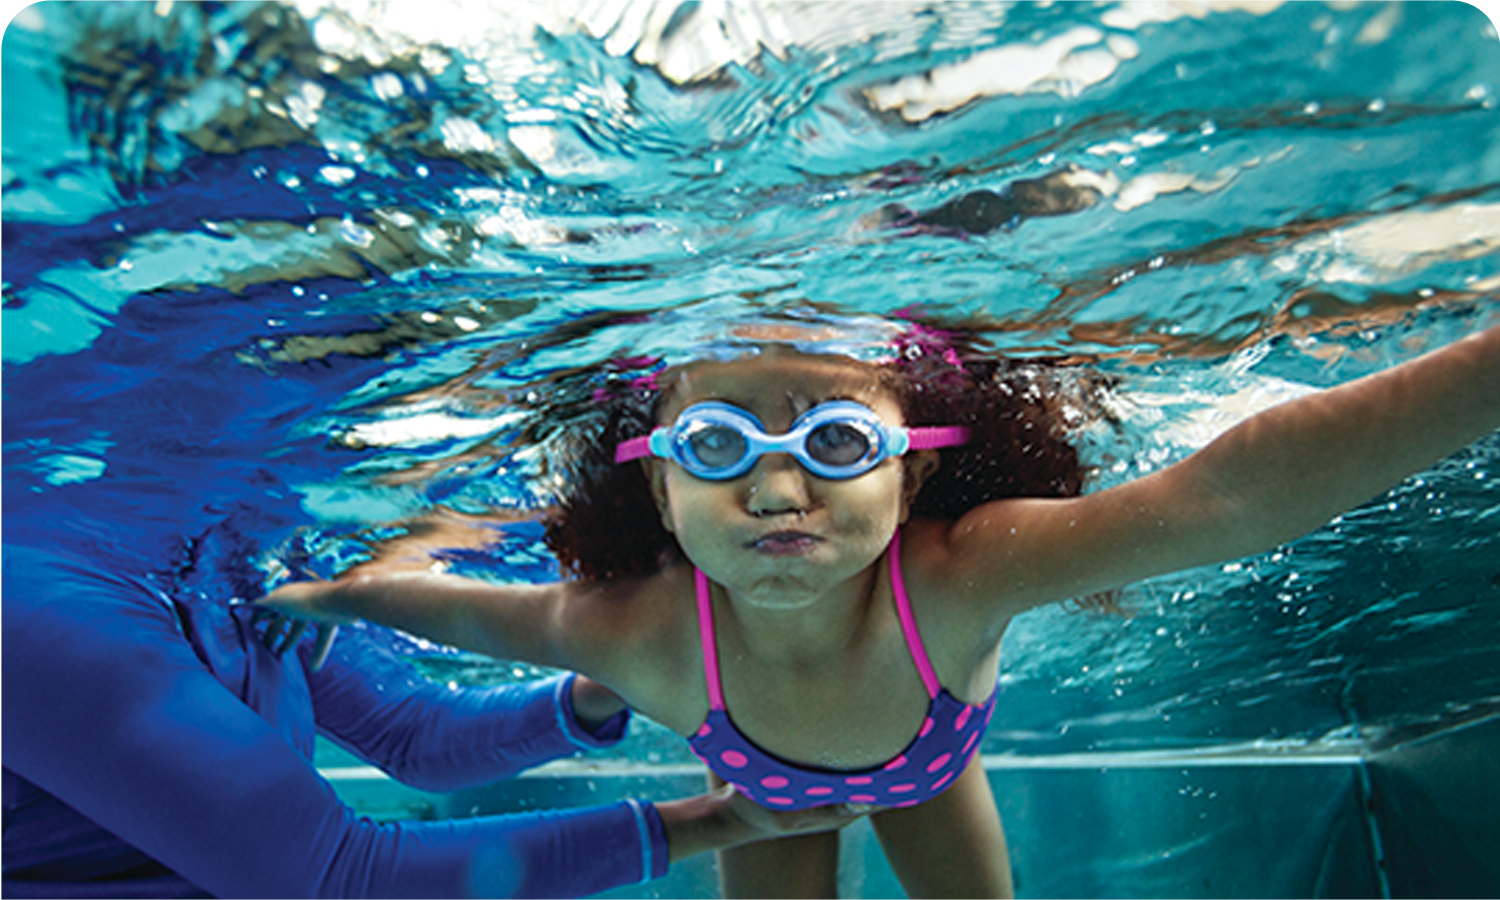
778	485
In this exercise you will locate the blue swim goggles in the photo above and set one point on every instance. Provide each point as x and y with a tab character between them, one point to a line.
837	439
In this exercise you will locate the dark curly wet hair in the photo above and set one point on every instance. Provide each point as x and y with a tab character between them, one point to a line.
605	525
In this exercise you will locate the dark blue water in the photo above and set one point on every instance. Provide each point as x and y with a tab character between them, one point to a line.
268	269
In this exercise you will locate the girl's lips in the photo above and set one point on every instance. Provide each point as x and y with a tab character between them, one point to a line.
784	543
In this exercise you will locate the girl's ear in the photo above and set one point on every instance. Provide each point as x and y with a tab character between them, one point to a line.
917	468
656	476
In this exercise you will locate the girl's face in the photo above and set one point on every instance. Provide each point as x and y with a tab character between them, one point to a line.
778	536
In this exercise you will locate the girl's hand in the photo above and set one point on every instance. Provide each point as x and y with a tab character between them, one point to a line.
284	631
290	609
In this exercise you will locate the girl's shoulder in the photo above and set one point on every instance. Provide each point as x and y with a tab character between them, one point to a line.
960	616
936	553
639	636
998	558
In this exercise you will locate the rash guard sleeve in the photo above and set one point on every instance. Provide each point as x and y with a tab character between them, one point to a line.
110	711
437	738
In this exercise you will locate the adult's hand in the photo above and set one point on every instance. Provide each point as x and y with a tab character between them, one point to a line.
725	818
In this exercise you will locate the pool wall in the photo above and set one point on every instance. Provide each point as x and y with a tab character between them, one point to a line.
1413	819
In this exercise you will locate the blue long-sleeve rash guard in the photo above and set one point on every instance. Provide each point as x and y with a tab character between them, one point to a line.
153	749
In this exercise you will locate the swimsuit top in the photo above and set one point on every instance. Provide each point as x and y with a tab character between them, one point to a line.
942	748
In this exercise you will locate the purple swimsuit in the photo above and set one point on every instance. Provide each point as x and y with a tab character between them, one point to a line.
942	748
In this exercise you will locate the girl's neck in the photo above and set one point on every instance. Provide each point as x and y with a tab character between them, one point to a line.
806	634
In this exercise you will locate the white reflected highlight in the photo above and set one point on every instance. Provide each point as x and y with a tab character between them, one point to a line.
1383	248
1064	64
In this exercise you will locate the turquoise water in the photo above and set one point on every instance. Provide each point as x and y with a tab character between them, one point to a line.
269	270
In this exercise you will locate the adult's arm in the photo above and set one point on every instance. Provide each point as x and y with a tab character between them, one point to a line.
108	709
441	739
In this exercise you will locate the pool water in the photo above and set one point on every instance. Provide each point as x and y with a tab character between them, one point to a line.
268	269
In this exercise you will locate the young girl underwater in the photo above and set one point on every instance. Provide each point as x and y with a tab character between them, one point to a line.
804	563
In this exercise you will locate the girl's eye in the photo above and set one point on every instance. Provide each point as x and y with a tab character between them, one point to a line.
716	445
838	444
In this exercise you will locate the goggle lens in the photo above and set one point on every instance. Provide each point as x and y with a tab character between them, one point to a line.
715	446
841	444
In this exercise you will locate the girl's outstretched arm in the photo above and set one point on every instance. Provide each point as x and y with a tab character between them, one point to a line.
544	624
627	634
398	586
1296	466
1272	478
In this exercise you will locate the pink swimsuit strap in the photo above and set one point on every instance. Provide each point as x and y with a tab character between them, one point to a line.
908	621
706	636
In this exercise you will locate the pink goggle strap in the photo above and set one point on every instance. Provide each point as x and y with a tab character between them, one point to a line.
635	448
933	438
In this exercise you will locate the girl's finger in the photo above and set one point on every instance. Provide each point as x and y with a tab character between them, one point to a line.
292	636
326	633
